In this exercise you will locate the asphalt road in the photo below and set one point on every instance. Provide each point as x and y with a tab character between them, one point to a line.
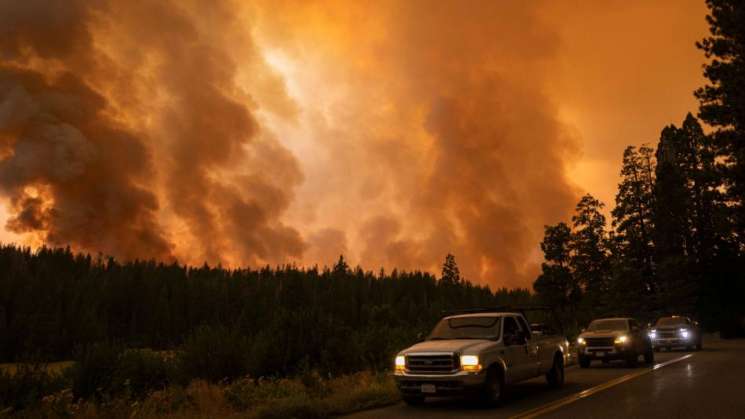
707	383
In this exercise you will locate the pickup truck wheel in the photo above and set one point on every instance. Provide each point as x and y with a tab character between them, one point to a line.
493	391
555	376
632	359
584	362
649	356
413	400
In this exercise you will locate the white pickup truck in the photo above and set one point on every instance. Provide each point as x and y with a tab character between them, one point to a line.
478	353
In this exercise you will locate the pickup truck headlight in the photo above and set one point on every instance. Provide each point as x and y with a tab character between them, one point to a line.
652	333
684	333
400	364
581	341
621	339
470	363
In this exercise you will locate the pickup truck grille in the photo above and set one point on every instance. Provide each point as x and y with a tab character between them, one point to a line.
667	333
432	364
599	341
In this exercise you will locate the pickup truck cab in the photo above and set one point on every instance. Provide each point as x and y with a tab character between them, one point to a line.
478	353
614	338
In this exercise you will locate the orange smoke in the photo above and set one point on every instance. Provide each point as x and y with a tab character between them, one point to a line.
287	131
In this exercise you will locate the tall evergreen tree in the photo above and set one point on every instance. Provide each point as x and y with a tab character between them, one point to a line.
556	285
633	224
722	101
675	247
450	271
590	260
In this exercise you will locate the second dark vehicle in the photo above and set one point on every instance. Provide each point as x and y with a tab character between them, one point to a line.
613	339
676	331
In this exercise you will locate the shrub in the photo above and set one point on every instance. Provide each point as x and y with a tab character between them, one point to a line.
215	354
104	371
141	371
94	369
28	385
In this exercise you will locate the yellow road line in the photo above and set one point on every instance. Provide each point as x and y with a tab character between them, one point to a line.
550	407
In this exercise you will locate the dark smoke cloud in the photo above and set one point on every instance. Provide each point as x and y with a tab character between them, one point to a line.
445	140
150	129
123	119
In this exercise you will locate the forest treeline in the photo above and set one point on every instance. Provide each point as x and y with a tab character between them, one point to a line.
676	240
54	302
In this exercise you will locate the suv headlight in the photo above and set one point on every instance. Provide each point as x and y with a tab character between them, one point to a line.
684	333
621	339
470	363
400	363
581	341
652	333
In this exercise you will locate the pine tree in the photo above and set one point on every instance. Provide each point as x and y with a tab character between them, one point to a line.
722	101
450	271
674	245
556	285
341	266
590	260
633	224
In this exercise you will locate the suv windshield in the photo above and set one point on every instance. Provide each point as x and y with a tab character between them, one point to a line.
672	321
608	324
467	328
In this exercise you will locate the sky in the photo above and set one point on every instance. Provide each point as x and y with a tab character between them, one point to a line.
292	131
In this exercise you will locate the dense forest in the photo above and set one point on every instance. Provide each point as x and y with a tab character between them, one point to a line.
53	302
676	241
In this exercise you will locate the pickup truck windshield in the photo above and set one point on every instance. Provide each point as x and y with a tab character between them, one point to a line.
467	328
609	325
672	321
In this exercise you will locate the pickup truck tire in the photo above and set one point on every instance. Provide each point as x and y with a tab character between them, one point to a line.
555	376
632	359
493	391
584	362
649	356
413	400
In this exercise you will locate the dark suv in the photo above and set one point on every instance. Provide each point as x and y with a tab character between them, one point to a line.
676	331
614	338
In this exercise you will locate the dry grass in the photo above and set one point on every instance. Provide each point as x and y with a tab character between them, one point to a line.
51	367
306	397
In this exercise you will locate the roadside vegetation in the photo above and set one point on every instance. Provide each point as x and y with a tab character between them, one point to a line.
111	382
149	339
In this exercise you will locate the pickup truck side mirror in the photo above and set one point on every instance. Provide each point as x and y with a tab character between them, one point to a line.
582	330
420	336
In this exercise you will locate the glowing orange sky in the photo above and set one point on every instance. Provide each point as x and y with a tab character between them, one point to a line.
366	100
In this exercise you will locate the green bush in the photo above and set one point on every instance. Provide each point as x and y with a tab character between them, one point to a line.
141	371
27	385
93	372
103	371
215	354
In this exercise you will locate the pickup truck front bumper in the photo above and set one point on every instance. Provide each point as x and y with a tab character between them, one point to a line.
605	352
671	342
440	384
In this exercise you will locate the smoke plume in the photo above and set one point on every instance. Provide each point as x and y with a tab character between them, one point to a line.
285	131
